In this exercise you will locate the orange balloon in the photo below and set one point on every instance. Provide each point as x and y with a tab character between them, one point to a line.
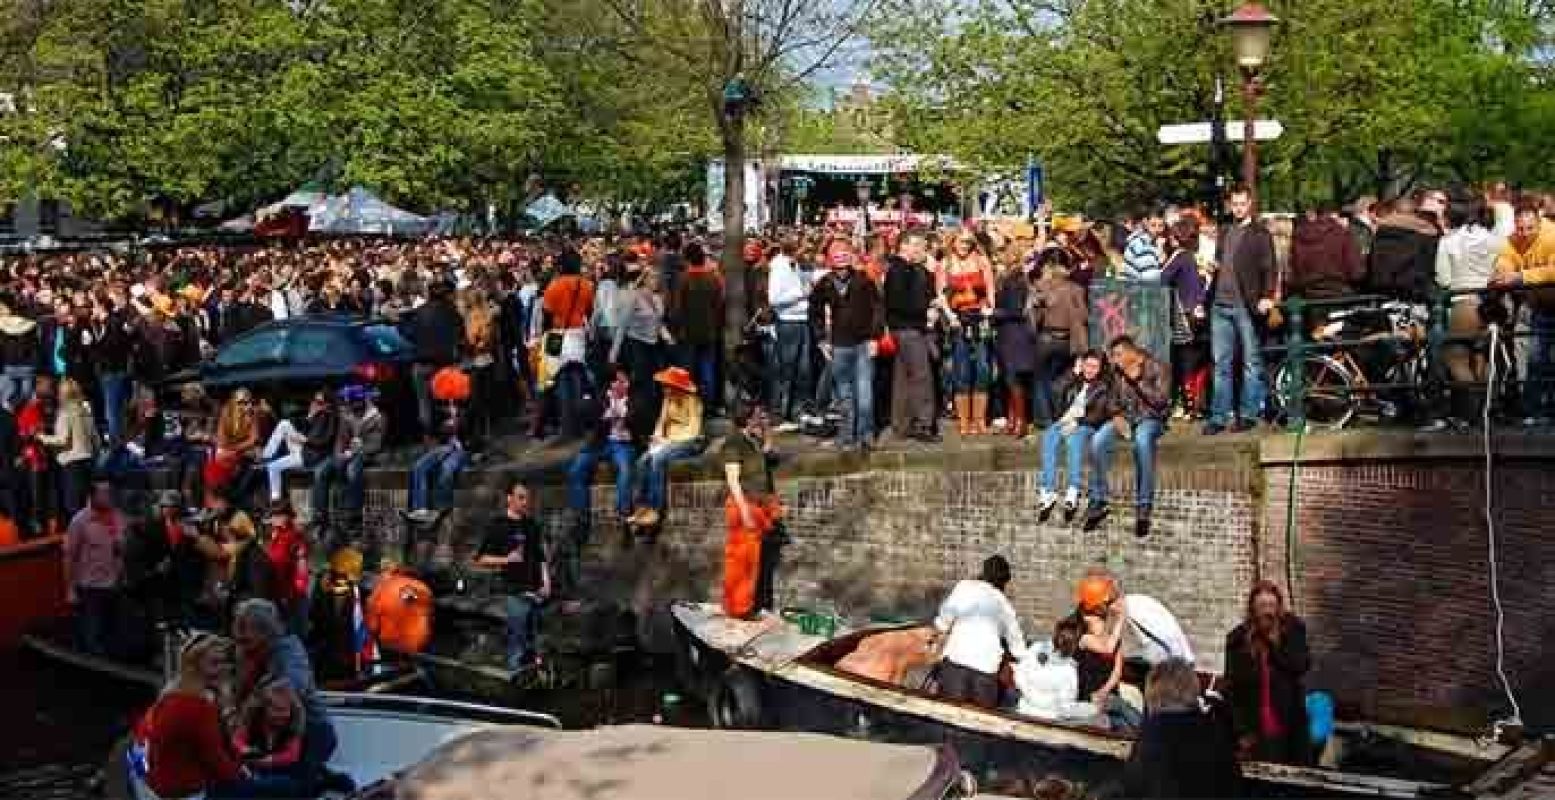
399	613
450	384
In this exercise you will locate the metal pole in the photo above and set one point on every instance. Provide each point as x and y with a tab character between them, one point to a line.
1249	138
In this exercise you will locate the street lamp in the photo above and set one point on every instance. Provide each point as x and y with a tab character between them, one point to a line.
1252	28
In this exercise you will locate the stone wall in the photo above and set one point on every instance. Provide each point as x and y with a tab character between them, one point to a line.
1390	563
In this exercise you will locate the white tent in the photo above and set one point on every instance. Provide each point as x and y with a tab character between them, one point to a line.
358	211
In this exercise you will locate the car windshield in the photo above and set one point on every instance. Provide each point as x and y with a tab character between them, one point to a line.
385	340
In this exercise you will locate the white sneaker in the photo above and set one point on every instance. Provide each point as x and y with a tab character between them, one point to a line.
1046	499
1072	497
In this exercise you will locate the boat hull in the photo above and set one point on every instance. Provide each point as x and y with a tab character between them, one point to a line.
34	581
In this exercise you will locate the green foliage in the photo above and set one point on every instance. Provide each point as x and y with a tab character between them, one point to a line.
1440	86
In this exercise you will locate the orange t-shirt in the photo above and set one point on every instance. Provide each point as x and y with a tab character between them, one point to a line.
569	301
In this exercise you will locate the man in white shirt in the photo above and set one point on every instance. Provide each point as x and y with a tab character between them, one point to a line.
978	625
789	296
1154	635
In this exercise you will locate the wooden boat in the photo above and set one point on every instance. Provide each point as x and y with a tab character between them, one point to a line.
652	762
767	673
379	736
34	582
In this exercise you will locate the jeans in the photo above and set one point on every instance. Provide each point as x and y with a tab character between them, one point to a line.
116	395
421	383
653	469
912	384
971	360
351	471
1147	433
433	476
853	372
96	611
277	465
580	474
75	483
1052	360
1231	329
702	361
16	385
790	372
1075	443
1541	365
521	629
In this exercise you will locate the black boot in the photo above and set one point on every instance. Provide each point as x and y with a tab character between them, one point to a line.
1096	515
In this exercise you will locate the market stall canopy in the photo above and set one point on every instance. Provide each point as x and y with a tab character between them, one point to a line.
360	211
866	165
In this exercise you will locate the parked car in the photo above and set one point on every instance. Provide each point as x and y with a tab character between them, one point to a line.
286	361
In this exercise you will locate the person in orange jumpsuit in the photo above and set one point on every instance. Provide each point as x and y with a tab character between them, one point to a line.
751	512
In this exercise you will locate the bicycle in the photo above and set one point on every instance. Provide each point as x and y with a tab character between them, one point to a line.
1372	360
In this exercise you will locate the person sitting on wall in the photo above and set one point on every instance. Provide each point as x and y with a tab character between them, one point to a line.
1142	394
978	625
677	436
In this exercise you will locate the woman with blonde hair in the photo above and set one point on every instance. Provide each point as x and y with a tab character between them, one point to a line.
237	438
480	338
186	751
967	288
74	442
676	437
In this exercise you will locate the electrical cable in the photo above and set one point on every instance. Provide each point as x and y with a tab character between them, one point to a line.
1490	528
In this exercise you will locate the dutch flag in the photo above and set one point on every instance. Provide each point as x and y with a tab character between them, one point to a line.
366	647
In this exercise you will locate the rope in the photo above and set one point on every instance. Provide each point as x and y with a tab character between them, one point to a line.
1292	543
1490	528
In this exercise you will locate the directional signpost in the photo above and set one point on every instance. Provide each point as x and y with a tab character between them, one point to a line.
1264	130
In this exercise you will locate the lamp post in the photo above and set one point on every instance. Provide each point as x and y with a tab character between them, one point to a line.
1251	27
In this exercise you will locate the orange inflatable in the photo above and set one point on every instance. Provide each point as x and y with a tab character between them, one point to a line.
399	613
450	384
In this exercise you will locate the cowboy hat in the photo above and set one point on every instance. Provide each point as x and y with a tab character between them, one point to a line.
678	379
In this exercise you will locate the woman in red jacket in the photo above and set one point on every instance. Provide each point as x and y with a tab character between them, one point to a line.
186	751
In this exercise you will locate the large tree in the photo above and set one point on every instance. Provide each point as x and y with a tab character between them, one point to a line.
1085	84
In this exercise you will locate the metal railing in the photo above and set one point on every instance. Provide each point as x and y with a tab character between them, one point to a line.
1419	373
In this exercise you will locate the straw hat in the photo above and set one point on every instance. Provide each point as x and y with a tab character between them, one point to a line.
678	379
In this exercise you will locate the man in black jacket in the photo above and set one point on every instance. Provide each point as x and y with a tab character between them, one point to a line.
1403	253
437	331
1240	295
1265	682
113	331
909	291
848	316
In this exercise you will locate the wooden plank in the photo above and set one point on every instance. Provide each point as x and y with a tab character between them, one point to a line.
1438	741
103	666
1521	767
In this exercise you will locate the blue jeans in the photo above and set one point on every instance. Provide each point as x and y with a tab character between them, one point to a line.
702	361
16	385
350	471
790	370
971	362
433	476
96	612
580	474
1541	365
521	629
1076	445
1147	433
853	371
116	395
1231	329
653	470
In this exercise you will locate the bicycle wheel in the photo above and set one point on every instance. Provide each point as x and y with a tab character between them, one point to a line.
1330	402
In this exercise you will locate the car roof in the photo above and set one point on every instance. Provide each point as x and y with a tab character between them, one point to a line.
652	762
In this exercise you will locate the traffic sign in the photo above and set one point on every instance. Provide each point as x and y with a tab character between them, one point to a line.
1264	130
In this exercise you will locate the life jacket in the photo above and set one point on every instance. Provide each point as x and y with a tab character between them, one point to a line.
399	613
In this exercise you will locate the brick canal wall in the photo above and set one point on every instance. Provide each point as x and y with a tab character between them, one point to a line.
1390	559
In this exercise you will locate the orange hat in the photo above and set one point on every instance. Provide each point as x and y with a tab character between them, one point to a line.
678	379
1094	593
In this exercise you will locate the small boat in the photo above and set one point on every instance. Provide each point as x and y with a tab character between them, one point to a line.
769	673
654	762
379	735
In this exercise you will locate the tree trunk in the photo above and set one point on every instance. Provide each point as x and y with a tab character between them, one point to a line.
732	129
